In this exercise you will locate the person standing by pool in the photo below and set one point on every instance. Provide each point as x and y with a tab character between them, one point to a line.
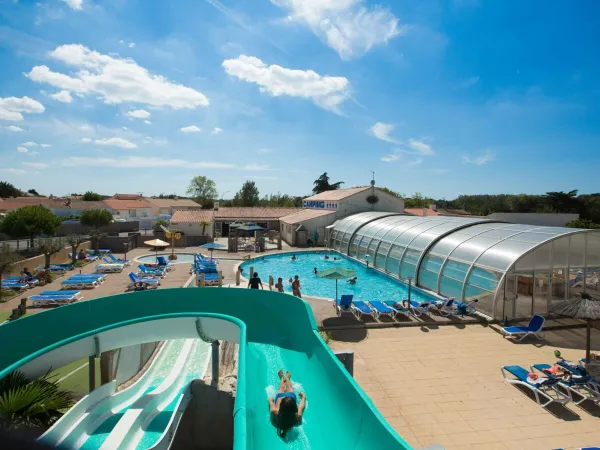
255	282
294	257
296	287
279	285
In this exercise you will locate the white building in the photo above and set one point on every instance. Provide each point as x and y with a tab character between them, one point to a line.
322	210
540	219
193	222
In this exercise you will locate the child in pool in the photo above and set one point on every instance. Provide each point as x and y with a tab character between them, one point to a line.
284	408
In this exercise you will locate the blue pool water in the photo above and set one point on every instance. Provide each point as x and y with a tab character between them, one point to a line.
181	258
371	285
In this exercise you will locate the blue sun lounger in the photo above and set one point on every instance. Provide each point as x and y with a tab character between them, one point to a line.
544	389
145	270
99	277
115	260
51	300
77	294
79	283
582	385
361	309
381	308
343	305
534	328
148	283
15	285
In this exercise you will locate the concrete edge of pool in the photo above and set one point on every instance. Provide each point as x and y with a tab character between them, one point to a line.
176	261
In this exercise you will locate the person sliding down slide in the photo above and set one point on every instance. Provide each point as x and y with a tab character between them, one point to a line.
284	408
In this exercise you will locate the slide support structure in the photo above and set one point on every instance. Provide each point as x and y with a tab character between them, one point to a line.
92	372
347	359
215	363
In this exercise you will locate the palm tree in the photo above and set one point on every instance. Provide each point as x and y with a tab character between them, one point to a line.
322	184
31	404
562	202
204	224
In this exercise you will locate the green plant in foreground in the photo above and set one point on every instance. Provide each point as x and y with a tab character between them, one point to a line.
28	403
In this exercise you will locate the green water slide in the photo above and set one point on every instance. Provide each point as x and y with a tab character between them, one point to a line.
273	330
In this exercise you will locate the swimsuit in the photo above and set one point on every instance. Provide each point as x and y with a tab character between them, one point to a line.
285	394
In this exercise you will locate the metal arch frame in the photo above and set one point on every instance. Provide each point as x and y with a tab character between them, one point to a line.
388	227
337	232
360	240
383	227
396	238
439	238
368	222
511	268
381	241
353	219
452	251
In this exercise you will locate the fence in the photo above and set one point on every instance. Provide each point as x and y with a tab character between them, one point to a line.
116	244
113	227
38	261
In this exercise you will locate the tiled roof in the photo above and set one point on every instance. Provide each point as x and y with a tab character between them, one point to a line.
421	212
125	204
338	194
88	205
305	214
172	203
9	204
253	213
191	215
127	196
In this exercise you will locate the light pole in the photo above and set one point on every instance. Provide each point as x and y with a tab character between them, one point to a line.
409	284
126	245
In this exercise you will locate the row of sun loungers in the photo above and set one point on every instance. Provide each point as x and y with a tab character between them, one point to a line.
55	298
375	308
576	386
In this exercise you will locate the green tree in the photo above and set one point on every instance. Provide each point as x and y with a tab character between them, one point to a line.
38	403
391	192
418	200
159	223
7	258
248	195
203	190
75	240
49	247
583	223
33	192
562	202
31	221
8	190
322	184
204	224
96	218
90	196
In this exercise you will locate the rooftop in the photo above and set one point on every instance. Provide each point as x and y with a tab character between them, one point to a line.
254	212
338	194
87	205
118	204
191	216
305	214
127	196
172	203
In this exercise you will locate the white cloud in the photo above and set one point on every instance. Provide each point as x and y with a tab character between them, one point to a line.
125	128
74	4
390	157
86	140
14	129
148	122
32	153
488	156
217	130
15	171
146	162
29	144
415	162
35	165
122	42
22	150
420	147
45	145
131	45
468	82
115	80
382	131
191	129
116	142
325	91
151	140
139	114
346	26
62	96
12	107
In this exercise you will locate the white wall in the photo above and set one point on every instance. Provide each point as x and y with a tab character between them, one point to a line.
193	228
358	203
540	219
317	224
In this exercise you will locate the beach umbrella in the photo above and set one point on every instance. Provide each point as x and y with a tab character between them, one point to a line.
250	228
157	243
584	308
337	273
211	246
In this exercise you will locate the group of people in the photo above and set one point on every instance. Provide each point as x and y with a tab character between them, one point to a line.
335	258
255	282
25	275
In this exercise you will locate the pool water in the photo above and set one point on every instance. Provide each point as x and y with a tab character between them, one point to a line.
370	285
181	258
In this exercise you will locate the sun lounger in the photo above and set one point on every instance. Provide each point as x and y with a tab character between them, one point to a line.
79	283
445	308
210	279
52	269
77	294
17	279
145	270
51	300
99	277
147	283
361	309
343	305
382	309
582	385
544	389
163	262
419	308
115	260
14	285
109	268
394	304
534	328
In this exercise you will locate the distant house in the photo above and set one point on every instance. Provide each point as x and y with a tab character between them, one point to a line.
76	208
168	207
128	209
190	222
10	204
432	210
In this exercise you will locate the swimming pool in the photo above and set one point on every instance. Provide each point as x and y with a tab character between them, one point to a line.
181	258
371	284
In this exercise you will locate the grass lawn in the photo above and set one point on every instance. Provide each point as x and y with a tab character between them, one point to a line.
4	315
7	294
78	381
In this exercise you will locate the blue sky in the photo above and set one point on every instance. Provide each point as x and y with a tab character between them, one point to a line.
440	97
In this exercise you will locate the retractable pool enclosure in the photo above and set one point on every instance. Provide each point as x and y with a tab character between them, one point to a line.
513	270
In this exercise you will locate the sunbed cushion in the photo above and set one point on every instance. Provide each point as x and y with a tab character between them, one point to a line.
381	307
362	307
513	330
